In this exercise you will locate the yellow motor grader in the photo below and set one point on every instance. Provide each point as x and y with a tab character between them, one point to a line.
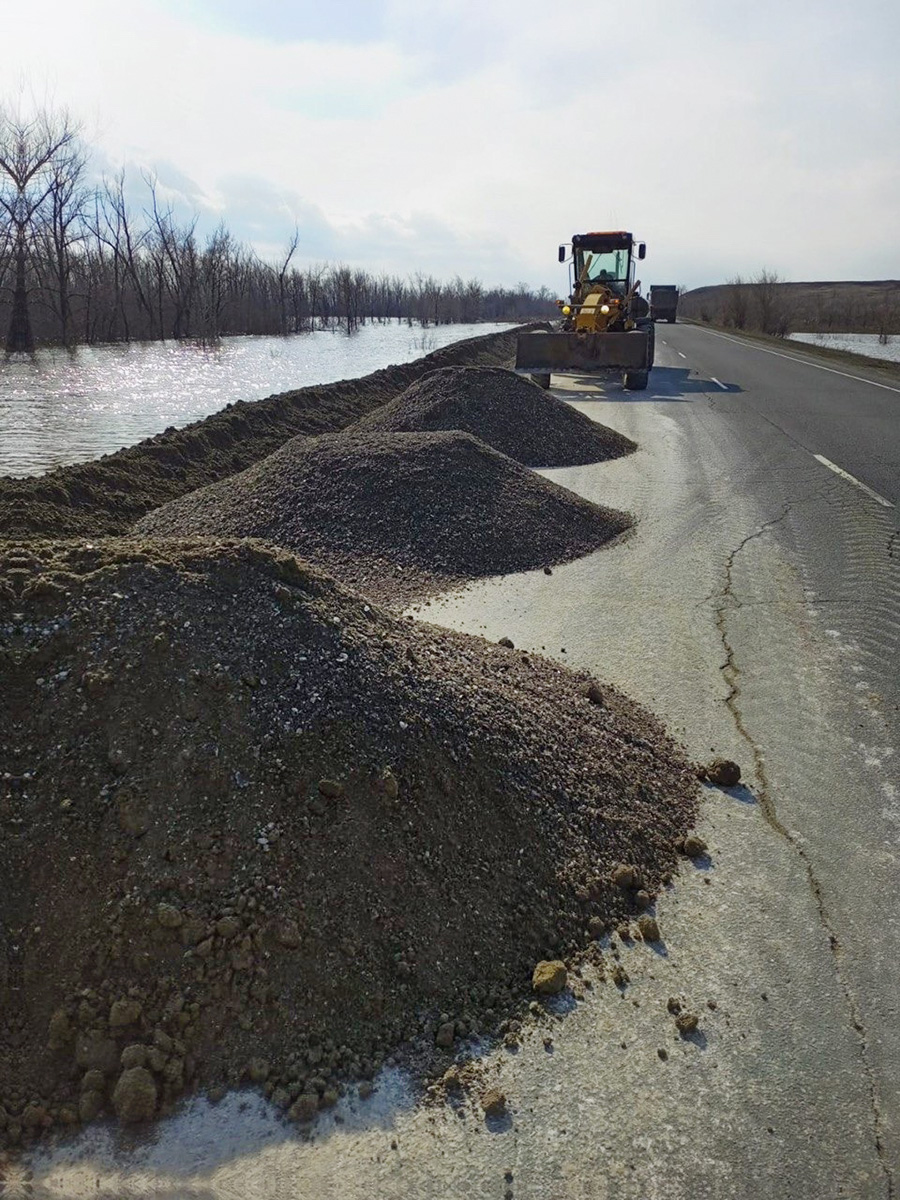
606	324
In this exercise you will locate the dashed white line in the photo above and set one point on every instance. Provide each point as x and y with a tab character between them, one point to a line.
803	361
680	355
826	462
723	386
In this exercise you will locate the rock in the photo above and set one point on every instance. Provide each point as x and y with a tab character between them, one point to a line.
93	1081
686	1023
594	693
549	977
596	927
258	1070
287	934
90	1105
134	1055
626	877
60	1031
390	784
68	1115
694	847
642	898
548	571
124	1012
228	927
94	1050
619	975
216	1094
134	1097
445	1034
304	1107
35	1117
169	916
494	1103
332	788
673	1005
722	772
507	642
330	1098
648	927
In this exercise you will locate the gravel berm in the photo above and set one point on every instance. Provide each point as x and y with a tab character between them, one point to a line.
107	495
396	515
503	410
258	831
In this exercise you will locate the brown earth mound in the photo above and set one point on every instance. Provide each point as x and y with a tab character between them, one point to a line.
503	410
397	515
256	829
108	495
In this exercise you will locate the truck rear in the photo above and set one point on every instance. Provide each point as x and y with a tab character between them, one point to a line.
664	302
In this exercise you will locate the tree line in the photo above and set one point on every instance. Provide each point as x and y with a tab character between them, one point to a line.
77	265
768	304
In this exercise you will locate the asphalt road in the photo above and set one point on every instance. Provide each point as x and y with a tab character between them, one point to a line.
756	608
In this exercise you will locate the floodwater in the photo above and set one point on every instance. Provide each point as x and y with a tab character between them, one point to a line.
64	407
854	343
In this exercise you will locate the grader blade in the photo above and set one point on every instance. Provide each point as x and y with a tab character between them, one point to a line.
580	352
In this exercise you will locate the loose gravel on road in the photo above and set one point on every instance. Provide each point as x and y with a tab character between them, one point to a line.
503	410
396	515
259	830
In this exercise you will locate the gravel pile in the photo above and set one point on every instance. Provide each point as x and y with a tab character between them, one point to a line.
396	515
503	410
257	830
108	495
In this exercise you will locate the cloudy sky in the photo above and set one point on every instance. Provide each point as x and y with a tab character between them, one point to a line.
472	136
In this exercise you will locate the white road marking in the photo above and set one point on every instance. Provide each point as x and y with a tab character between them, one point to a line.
804	361
723	386
680	355
826	462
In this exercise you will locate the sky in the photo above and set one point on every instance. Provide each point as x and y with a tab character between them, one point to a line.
471	137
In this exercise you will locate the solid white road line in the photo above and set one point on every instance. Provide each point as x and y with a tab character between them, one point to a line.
804	361
826	462
723	386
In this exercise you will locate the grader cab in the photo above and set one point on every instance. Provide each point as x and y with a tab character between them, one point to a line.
606	325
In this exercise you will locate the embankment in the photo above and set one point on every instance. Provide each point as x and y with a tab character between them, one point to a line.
108	495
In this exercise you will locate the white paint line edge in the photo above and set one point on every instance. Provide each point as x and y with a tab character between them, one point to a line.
826	462
723	386
803	361
680	355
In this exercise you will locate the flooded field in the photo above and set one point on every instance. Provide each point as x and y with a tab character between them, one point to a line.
64	407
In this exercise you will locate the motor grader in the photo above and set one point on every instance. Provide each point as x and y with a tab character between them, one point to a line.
606	325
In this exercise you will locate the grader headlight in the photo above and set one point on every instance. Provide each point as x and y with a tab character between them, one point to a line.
604	308
566	310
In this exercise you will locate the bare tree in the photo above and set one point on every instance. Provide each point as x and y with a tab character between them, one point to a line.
39	159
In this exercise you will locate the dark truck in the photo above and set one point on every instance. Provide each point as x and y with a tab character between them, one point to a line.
664	302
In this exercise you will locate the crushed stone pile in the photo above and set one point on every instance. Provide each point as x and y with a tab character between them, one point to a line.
503	410
396	515
258	831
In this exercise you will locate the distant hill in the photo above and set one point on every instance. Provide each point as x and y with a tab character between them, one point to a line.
838	306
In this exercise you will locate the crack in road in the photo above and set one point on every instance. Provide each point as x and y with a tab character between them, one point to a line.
732	673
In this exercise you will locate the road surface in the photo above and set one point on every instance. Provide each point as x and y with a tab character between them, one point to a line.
756	608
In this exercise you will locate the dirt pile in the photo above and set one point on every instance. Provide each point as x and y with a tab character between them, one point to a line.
503	410
397	515
108	495
255	829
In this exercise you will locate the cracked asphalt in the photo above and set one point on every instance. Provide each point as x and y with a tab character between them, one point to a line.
756	609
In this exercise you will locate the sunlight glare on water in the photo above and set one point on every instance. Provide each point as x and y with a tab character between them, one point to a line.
65	407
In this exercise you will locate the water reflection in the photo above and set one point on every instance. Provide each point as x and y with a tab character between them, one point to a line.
64	406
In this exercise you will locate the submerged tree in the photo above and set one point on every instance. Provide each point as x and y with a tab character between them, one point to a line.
41	166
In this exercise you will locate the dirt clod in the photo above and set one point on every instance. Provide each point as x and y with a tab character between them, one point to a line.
134	1097
493	1102
549	977
722	772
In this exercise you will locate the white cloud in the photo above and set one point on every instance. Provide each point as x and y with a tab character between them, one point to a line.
473	137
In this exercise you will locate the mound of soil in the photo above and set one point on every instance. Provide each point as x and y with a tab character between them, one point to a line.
255	829
108	495
398	515
503	410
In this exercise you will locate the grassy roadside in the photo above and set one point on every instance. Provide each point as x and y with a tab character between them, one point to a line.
874	368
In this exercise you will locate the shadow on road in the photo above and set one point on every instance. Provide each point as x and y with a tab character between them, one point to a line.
666	383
